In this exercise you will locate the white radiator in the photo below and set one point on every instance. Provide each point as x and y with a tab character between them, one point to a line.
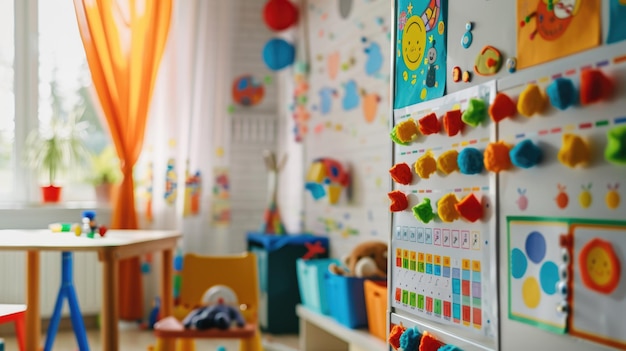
87	280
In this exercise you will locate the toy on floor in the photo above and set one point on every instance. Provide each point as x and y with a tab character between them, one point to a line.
367	259
220	310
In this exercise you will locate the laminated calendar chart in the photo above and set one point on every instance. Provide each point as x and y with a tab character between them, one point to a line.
443	214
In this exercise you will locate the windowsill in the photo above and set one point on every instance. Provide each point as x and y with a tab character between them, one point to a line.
64	205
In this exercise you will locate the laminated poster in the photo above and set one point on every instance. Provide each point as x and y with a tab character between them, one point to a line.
617	21
420	51
552	29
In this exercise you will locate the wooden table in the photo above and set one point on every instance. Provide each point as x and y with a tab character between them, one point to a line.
116	245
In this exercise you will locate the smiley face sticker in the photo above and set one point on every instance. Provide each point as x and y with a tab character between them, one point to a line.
413	42
599	266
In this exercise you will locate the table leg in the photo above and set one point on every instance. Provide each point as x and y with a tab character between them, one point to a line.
110	313
33	321
167	301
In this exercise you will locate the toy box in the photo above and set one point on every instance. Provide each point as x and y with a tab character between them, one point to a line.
278	280
311	283
376	307
346	300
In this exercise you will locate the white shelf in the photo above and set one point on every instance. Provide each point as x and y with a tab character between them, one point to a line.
315	329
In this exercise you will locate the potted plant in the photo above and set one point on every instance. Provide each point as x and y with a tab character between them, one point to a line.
58	149
105	173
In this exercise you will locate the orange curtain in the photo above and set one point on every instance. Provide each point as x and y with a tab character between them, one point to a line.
124	41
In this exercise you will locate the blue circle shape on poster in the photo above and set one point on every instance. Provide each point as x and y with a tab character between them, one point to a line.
536	247
549	276
518	263
278	54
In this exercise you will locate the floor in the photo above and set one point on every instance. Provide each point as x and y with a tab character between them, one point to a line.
139	340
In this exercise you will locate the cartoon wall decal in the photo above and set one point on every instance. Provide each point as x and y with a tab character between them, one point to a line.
327	177
598	292
612	197
332	64
370	106
522	200
617	25
421	51
550	29
351	98
534	276
326	95
374	58
562	199
600	269
247	90
193	191
585	198
345	7
220	202
171	183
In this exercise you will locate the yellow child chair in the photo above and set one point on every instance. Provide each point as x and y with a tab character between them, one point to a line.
199	273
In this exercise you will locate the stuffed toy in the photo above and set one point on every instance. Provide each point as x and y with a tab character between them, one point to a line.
220	310
367	260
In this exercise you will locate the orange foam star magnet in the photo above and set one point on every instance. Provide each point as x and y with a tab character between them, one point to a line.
599	266
470	208
429	343
594	86
502	107
399	201
429	124
401	173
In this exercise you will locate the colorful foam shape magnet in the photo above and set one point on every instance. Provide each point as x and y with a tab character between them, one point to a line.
399	201
429	343
316	189
562	93
475	113
395	334
410	339
511	64
531	101
599	266
470	161
447	162
496	157
470	208
488	61
446	208
404	132
452	122
424	211
401	173
467	38
502	107
450	347
594	86
425	165
525	154
574	151
429	124
615	151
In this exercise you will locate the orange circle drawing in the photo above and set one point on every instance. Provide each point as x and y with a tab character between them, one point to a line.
599	266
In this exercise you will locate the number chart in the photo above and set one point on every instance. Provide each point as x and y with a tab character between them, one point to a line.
443	215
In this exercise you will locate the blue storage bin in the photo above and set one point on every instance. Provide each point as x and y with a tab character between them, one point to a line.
311	283
346	300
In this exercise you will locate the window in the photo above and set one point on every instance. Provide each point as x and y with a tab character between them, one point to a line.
56	77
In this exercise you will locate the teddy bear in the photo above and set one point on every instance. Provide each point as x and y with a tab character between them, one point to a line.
368	259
